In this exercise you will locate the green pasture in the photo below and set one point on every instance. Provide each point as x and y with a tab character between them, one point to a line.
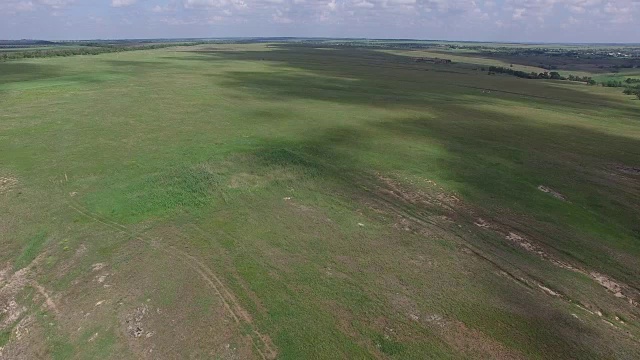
333	193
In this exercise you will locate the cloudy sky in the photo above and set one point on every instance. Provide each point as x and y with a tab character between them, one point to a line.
497	20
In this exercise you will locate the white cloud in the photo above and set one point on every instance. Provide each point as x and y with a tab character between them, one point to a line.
453	19
364	4
24	6
13	7
122	3
518	13
161	9
175	21
195	4
56	4
279	17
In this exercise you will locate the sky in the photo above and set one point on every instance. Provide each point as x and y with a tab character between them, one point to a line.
587	21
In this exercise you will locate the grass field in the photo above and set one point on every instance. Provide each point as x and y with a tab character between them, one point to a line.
269	201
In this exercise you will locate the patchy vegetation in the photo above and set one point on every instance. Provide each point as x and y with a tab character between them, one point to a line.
31	249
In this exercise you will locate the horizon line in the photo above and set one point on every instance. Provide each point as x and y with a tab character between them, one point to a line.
329	38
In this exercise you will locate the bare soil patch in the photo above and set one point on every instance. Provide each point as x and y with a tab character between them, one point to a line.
459	210
244	181
550	191
482	223
25	342
48	300
172	325
629	170
15	316
97	266
472	342
7	184
439	197
135	326
14	284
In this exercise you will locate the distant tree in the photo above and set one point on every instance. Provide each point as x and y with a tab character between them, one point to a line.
591	82
555	75
612	83
632	90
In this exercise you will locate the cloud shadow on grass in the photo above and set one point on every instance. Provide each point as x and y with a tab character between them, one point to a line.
15	71
328	158
498	159
391	80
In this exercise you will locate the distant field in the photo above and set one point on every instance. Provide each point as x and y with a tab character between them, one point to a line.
267	201
621	76
462	57
586	67
33	48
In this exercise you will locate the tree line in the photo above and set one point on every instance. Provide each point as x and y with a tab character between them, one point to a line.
523	74
89	49
631	85
632	90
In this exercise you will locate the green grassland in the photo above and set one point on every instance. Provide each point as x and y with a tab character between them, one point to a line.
620	76
276	201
